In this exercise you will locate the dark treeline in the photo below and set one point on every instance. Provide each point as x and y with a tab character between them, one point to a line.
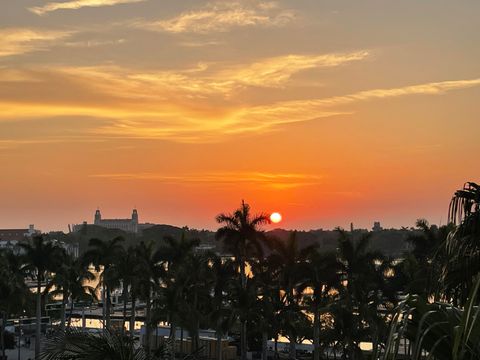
391	242
423	300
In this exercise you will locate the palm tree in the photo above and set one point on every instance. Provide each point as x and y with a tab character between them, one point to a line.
268	304
422	265
360	296
288	258
320	276
71	282
103	254
149	271
242	237
167	306
125	271
13	290
443	331
221	316
198	280
463	243
40	258
171	256
76	345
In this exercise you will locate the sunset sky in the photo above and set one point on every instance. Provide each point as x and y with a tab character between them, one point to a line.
327	111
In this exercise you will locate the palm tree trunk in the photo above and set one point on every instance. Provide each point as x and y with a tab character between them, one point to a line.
132	318
83	319
197	323
39	318
243	341
243	329
181	342
63	312
104	311
70	316
293	348
107	309
276	346
147	325
316	335
172	339
264	344
125	300
219	345
2	334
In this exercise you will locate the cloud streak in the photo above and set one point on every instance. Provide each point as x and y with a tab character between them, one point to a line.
222	17
77	4
15	41
188	105
272	180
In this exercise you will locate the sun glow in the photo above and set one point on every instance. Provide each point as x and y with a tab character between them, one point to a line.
275	217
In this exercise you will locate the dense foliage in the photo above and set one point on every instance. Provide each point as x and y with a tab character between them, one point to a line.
262	287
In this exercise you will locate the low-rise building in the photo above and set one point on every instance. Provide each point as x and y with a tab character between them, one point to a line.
129	224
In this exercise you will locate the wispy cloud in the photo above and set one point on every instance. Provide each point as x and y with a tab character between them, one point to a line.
278	70
207	126
305	110
433	88
205	80
93	43
222	16
187	105
77	4
274	180
15	41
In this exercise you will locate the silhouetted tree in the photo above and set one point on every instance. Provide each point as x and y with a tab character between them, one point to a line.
463	244
41	256
103	254
242	237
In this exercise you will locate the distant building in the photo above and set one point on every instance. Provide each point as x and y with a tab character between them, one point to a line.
129	225
17	234
377	226
9	238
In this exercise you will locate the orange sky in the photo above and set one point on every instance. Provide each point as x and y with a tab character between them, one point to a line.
328	112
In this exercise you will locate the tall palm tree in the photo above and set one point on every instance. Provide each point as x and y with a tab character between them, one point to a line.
422	265
198	282
221	316
70	280
13	291
243	238
289	258
125	270
268	304
40	257
362	274
320	277
463	243
171	256
149	272
103	254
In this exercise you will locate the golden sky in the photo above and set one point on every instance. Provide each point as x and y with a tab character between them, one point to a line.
327	111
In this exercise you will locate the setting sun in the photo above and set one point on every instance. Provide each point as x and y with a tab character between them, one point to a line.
275	217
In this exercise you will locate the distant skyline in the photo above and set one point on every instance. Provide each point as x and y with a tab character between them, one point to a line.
328	112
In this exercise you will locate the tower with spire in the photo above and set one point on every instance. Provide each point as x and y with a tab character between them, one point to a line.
98	217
